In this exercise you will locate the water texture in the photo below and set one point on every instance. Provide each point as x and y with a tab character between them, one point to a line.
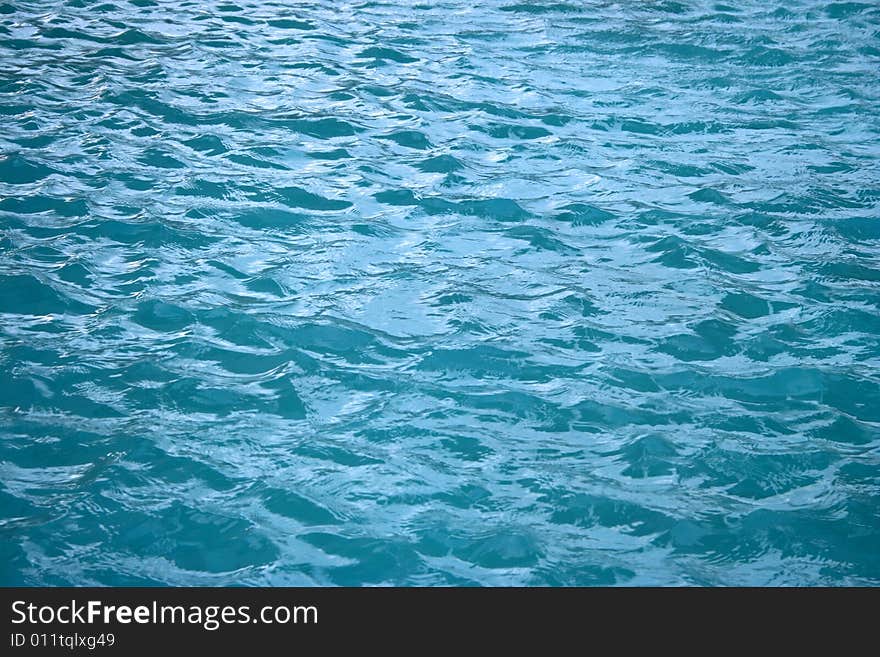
452	293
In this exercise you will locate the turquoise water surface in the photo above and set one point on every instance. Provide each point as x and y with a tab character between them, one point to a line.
450	293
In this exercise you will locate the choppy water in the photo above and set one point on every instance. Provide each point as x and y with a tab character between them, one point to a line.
443	293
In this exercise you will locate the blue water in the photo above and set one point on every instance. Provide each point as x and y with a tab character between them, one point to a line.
451	293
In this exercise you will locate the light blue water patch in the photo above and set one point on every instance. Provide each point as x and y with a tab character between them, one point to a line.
500	293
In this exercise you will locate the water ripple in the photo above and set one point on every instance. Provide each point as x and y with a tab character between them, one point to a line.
390	293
